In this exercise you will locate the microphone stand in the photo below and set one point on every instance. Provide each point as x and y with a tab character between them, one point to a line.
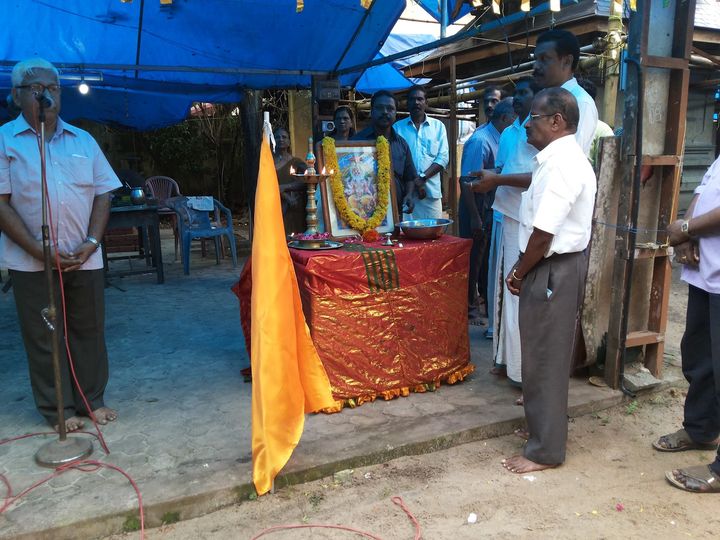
64	450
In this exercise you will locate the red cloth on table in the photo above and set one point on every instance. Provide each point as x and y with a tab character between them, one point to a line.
382	319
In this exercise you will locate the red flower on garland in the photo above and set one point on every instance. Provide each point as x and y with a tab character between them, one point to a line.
371	235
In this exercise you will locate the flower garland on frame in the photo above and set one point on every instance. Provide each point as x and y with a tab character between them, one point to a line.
338	194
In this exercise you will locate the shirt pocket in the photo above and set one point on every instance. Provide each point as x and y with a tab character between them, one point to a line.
525	210
77	169
431	147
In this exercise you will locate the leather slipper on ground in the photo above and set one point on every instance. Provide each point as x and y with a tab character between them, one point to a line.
680	441
698	479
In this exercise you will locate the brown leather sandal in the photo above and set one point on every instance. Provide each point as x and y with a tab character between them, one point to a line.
680	441
698	479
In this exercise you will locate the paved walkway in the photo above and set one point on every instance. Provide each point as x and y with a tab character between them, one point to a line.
176	351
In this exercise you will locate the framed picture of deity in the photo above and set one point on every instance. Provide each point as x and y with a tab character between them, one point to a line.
359	195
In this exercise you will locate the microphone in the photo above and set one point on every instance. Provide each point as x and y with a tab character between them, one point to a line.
44	100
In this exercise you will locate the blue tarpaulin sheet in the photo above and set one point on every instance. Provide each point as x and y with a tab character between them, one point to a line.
387	76
433	8
156	60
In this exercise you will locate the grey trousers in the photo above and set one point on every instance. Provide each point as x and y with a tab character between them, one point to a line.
85	302
550	300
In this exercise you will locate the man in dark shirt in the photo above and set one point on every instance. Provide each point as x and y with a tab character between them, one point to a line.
383	108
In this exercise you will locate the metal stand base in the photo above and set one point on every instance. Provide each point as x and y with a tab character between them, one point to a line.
55	453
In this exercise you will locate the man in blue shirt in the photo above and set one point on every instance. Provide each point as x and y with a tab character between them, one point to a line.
475	212
428	142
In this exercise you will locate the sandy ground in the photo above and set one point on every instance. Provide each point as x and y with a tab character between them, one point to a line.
612	486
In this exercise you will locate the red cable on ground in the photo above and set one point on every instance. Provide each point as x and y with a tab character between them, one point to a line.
396	500
86	465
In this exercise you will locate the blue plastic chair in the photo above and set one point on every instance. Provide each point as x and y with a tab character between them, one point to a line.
197	225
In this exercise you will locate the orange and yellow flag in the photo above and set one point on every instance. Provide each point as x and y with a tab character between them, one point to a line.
288	378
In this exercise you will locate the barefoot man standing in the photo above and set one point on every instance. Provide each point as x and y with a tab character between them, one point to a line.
79	182
555	225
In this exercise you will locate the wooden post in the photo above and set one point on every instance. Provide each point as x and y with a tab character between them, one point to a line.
612	70
453	194
664	87
617	328
251	121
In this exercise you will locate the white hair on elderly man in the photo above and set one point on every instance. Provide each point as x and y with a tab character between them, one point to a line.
26	67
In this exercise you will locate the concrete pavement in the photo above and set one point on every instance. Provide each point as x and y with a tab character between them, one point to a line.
183	434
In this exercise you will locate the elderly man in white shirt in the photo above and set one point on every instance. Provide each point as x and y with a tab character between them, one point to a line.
79	181
555	226
428	142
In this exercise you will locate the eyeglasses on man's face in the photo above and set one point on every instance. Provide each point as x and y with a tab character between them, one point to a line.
536	116
37	88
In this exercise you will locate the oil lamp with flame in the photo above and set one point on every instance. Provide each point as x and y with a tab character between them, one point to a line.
311	178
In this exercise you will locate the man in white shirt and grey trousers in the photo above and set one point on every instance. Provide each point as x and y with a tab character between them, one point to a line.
555	226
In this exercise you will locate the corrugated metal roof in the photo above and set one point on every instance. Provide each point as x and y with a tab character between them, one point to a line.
707	14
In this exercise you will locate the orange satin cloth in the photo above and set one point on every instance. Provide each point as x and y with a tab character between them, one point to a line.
384	322
288	376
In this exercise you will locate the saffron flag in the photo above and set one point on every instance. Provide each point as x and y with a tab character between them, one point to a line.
288	378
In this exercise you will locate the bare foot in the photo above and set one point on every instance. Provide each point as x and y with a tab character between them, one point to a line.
520	401
71	424
524	434
522	465
103	415
500	371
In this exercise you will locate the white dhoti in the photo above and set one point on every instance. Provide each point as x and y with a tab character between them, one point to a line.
506	335
492	285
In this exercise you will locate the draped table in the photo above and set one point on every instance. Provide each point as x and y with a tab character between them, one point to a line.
385	321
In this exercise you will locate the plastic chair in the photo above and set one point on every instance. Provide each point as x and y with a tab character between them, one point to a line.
197	224
163	188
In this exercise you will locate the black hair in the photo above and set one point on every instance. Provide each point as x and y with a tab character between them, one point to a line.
504	106
531	82
382	93
565	44
559	100
416	88
495	88
588	86
352	119
286	130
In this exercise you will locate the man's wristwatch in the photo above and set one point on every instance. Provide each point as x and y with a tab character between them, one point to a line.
93	241
423	178
685	227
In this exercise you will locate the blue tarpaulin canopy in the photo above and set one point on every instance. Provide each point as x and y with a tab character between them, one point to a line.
433	8
388	76
155	60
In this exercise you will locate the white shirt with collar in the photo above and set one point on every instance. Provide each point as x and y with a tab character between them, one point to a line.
428	144
77	172
514	156
588	115
560	199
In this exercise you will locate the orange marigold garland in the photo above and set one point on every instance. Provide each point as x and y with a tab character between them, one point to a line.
338	195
